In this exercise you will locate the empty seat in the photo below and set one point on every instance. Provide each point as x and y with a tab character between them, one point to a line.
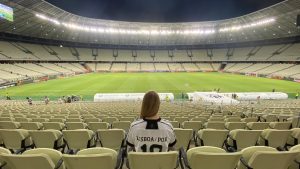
73	120
58	120
9	125
249	119
125	125
79	139
75	125
239	139
131	119
212	137
31	125
233	119
269	118
294	138
22	119
280	125
274	138
210	158
40	120
98	125
87	120
235	125
296	163
53	125
92	158
110	120
183	138
258	125
295	121
6	119
48	139
181	119
260	157
194	125
175	124
16	140
215	125
35	159
111	138
3	164
161	160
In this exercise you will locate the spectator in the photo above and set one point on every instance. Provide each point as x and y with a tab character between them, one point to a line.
151	133
29	100
47	100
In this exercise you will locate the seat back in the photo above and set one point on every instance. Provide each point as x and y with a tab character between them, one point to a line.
295	164
125	125
9	125
212	137
110	120
215	125
34	161
183	138
245	138
100	150
53	125
45	138
258	125
194	125
175	124
93	161
94	126
276	138
235	125
111	138
13	138
31	125
271	160
77	139
248	152
75	125
54	155
208	160
161	160
280	125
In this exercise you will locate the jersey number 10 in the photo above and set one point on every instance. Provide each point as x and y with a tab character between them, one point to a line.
152	147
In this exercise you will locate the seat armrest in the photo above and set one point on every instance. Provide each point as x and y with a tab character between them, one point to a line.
245	163
120	158
182	154
59	163
3	164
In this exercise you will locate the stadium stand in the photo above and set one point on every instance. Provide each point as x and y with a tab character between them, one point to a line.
46	42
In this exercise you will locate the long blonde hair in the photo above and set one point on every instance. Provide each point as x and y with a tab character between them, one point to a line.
150	105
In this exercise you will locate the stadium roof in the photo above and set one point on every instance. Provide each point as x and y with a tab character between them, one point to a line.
40	19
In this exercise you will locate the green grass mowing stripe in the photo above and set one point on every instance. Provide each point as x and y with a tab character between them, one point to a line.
162	82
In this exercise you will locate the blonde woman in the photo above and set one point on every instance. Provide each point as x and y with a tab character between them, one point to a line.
151	133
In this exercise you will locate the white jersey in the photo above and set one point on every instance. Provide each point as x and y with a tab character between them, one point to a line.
151	135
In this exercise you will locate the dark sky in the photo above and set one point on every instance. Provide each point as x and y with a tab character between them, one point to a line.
162	10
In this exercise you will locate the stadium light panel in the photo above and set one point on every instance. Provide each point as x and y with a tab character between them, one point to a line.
111	30
48	19
254	24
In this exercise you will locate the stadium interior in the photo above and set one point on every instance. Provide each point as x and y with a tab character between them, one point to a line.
42	42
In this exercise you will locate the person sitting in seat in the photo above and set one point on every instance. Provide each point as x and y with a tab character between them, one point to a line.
151	133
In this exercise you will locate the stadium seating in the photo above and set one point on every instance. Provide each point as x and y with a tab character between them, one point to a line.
162	160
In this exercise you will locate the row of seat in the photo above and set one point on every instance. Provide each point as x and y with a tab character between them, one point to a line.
18	140
207	157
235	140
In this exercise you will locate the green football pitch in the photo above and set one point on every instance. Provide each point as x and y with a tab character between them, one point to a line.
89	84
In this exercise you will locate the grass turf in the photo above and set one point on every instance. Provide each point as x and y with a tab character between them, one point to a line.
89	84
